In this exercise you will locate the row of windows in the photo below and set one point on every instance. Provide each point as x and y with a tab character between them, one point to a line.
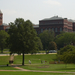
56	29
51	23
67	30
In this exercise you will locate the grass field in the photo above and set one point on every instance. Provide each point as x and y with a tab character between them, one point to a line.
51	67
32	73
36	63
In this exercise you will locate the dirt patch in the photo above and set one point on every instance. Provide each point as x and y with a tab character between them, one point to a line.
45	66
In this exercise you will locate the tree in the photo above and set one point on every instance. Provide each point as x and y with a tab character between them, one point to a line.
3	37
46	37
64	39
23	37
52	46
67	54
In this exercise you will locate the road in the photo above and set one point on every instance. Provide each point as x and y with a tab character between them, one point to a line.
25	54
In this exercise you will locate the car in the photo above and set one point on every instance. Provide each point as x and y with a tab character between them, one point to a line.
52	51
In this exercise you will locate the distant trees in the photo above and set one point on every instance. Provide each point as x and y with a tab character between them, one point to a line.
52	46
64	39
3	37
23	37
67	54
46	37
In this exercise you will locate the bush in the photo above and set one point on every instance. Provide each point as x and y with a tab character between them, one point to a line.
66	48
67	54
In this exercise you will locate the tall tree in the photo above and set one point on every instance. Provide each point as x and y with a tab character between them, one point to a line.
23	37
46	37
3	37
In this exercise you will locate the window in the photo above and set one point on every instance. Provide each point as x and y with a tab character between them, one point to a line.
41	29
55	29
49	29
46	29
60	29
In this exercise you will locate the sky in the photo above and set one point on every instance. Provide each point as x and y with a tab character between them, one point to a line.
35	10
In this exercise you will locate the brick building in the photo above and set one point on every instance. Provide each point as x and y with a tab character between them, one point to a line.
3	26
57	24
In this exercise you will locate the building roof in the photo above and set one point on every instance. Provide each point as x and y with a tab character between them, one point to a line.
53	18
36	26
70	20
0	12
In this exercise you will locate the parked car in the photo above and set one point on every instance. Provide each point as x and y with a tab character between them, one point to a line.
52	51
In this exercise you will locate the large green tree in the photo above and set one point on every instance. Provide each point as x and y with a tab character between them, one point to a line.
46	37
23	38
3	37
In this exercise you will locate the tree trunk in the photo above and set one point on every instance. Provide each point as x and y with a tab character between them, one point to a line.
23	58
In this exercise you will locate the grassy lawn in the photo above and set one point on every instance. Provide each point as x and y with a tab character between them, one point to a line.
32	73
35	59
7	68
51	67
36	63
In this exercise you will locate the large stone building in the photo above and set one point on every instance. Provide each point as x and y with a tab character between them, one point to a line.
57	24
3	26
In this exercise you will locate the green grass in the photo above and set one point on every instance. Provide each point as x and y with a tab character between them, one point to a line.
35	59
7	68
36	63
32	73
51	67
4	60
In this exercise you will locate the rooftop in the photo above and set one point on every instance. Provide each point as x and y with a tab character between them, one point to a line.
70	20
53	18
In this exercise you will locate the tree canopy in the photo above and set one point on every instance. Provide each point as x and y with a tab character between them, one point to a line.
67	54
64	39
3	37
46	37
23	38
52	46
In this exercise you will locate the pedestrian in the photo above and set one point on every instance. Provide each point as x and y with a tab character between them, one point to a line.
29	62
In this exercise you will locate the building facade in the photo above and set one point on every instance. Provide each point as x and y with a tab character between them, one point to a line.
3	26
57	24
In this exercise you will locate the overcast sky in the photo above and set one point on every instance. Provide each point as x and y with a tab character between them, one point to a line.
36	10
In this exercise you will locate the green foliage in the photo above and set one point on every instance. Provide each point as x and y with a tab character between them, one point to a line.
23	37
3	37
46	37
67	54
40	46
64	39
52	46
66	49
69	57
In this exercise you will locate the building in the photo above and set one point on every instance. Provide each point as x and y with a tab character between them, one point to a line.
57	24
3	26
